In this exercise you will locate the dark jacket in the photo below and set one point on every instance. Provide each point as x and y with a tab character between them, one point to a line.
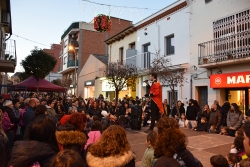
96	112
223	114
115	111
205	114
28	115
165	161
13	118
188	158
215	118
181	111
125	160
191	113
202	127
26	153
4	158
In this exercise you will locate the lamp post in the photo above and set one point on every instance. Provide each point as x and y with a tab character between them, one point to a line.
73	48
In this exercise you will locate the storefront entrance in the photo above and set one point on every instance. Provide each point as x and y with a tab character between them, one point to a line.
240	97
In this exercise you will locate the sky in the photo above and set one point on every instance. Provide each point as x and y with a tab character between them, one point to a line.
44	21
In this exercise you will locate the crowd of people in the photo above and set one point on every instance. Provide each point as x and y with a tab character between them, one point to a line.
44	130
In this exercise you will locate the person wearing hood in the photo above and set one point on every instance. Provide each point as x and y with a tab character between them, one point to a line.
41	147
50	108
109	151
72	135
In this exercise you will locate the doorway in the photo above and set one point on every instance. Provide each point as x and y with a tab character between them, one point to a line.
240	97
202	96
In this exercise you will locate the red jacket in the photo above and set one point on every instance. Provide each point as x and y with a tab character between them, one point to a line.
156	90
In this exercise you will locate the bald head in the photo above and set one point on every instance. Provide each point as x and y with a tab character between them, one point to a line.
34	102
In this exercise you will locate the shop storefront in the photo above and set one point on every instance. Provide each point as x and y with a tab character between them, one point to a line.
89	88
236	85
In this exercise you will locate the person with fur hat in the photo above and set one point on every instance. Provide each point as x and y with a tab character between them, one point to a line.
234	119
112	149
71	136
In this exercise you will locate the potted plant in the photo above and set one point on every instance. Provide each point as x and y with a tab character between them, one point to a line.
205	60
229	55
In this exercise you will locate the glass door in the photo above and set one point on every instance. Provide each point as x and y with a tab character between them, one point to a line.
238	97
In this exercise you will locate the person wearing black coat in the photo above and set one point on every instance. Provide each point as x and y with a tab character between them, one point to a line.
41	147
223	113
226	107
191	114
7	107
178	110
95	110
203	126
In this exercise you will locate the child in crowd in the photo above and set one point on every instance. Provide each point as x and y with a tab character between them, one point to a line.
94	134
244	163
148	157
239	132
223	130
183	121
239	148
218	161
213	129
233	160
203	125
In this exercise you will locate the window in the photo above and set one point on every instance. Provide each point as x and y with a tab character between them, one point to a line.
132	45
171	97
121	55
170	45
65	59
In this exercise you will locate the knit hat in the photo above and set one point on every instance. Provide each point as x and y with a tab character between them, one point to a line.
7	103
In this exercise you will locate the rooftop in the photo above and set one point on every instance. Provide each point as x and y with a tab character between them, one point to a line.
102	58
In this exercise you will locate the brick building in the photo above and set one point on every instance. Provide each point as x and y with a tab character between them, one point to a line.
89	41
55	52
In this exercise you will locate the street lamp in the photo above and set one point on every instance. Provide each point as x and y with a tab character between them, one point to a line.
73	48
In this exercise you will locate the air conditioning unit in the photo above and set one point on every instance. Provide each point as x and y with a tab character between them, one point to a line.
6	18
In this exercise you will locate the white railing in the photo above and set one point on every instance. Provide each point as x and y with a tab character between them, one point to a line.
141	61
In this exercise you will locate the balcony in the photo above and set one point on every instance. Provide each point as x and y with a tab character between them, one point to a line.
7	55
233	49
71	63
141	61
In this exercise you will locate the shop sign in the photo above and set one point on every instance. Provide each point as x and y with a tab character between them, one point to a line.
230	80
89	83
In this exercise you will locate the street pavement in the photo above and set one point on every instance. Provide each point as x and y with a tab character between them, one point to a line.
202	144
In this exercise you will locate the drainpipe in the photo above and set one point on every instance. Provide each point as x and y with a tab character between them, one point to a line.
191	86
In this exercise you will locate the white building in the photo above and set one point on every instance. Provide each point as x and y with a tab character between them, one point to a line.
220	51
166	31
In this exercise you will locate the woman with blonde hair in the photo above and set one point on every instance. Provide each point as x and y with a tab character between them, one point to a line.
112	150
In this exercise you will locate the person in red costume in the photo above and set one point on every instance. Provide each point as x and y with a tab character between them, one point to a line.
156	106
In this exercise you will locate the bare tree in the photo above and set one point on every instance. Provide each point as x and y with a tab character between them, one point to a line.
66	82
168	76
119	75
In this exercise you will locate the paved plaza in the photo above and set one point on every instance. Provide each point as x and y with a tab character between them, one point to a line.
203	145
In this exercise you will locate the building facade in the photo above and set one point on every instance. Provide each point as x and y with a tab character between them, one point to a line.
85	41
220	51
8	57
89	79
120	46
166	32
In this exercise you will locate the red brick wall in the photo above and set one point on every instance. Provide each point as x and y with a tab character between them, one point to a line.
93	41
55	52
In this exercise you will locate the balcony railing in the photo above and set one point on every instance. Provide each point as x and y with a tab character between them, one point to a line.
71	63
8	50
232	47
141	61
